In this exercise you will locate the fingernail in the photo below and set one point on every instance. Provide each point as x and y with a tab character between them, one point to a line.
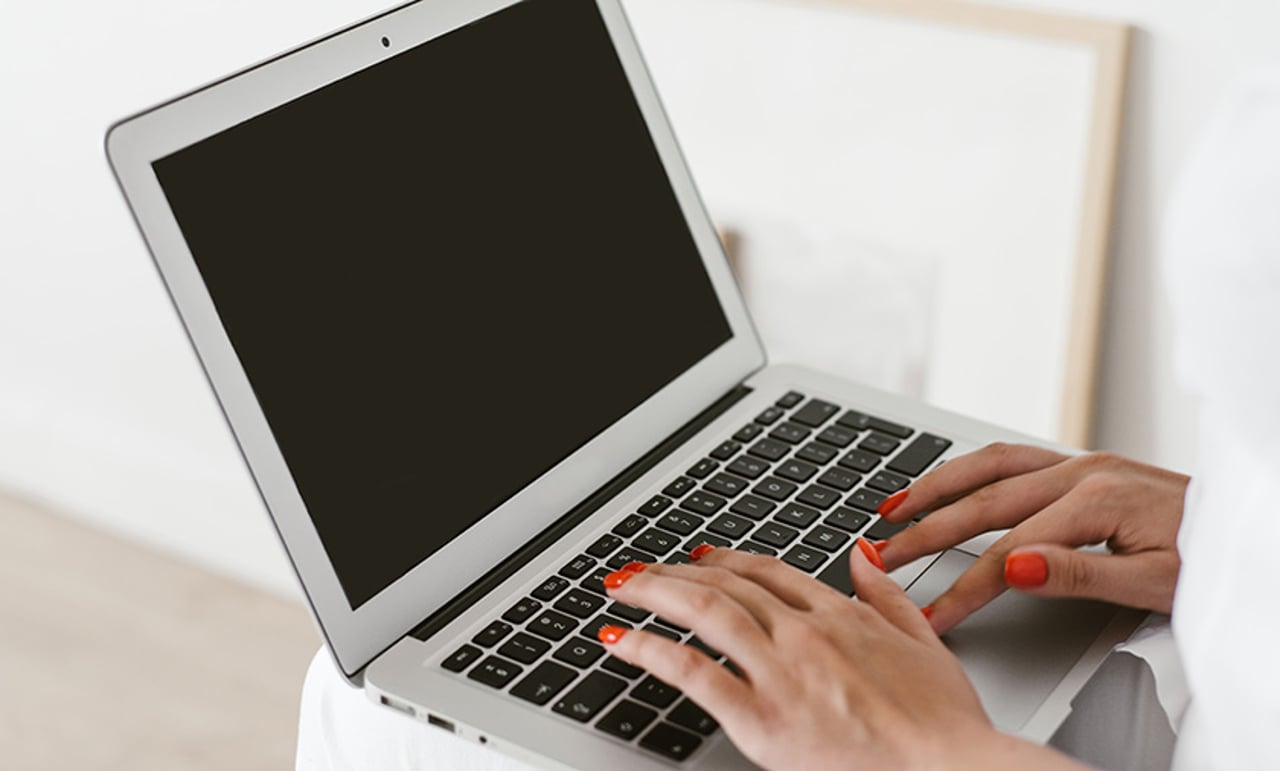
617	578
888	505
611	634
870	553
1025	571
927	612
635	567
879	545
700	551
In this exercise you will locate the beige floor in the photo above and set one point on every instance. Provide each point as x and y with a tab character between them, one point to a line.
116	657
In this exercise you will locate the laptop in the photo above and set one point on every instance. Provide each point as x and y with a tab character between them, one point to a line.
477	340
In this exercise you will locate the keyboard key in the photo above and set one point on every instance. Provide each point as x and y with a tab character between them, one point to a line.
626	720
817	453
859	461
495	672
579	652
492	634
773	534
879	444
789	433
604	546
770	416
461	658
678	488
703	503
748	432
826	538
836	574
731	526
590	696
703	468
753	506
837	436
867	500
677	558
847	519
751	547
726	451
883	529
775	488
861	422
725	484
653	691
700	644
888	482
522	611
769	449
655	506
580	565
669	741
797	515
680	522
790	399
748	467
579	603
627	554
796	470
686	714
620	667
804	558
552	625
524	648
840	479
704	537
656	541
919	454
629	612
664	631
545	681
630	526
817	495
550	588
815	413
592	630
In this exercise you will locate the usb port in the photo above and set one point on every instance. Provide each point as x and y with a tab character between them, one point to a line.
440	722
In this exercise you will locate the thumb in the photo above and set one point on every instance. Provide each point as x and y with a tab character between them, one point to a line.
1140	580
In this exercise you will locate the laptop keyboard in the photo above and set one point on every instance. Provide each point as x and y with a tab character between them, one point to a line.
800	482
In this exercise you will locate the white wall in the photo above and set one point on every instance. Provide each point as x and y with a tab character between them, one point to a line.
102	409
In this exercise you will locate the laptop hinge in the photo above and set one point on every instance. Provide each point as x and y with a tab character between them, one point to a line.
543	541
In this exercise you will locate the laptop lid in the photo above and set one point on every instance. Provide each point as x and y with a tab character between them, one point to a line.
447	274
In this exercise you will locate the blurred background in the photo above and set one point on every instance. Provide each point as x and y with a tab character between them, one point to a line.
148	617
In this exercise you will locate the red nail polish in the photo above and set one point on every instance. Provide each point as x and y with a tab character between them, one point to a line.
700	551
892	502
617	578
927	612
879	545
611	634
1025	571
635	567
870	553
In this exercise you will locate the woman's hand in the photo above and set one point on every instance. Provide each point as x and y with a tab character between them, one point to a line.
1053	503
827	682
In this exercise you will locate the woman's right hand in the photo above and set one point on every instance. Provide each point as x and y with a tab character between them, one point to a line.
1054	503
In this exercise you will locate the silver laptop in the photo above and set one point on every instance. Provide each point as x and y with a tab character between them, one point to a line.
478	342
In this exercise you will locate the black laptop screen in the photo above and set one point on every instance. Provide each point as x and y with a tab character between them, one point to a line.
446	273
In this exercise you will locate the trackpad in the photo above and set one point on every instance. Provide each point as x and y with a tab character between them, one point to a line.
1018	648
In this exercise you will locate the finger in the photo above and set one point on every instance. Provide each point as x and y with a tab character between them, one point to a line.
961	476
718	617
874	587
790	585
1076	519
996	506
729	699
1142	580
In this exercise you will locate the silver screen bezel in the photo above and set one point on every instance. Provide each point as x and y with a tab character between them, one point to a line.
356	636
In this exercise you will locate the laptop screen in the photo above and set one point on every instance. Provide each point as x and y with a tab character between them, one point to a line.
444	274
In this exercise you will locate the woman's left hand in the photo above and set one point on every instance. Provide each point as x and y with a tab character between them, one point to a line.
827	682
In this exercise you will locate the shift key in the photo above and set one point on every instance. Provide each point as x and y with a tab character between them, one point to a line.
590	696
